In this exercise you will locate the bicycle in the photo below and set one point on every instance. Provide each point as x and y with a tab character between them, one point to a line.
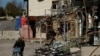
16	51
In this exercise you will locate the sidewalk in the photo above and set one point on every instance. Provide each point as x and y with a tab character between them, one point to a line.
90	50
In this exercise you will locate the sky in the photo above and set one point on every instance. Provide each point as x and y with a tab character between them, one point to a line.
3	3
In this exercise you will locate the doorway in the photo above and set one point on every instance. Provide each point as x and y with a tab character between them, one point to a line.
33	27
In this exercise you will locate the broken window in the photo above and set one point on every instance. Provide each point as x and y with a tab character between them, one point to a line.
40	0
54	4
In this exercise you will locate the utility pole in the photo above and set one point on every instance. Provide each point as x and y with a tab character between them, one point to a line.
40	34
59	10
84	2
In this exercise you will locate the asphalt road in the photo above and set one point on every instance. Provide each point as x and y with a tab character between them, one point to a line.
6	48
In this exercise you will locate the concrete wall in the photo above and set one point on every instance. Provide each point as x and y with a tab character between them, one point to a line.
9	35
37	8
15	35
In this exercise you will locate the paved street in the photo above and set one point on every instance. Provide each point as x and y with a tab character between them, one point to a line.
7	45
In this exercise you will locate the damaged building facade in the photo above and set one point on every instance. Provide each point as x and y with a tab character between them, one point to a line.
72	18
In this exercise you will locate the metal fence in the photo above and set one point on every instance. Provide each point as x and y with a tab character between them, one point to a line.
7	25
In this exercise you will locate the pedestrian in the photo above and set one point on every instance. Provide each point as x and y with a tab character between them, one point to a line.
20	43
